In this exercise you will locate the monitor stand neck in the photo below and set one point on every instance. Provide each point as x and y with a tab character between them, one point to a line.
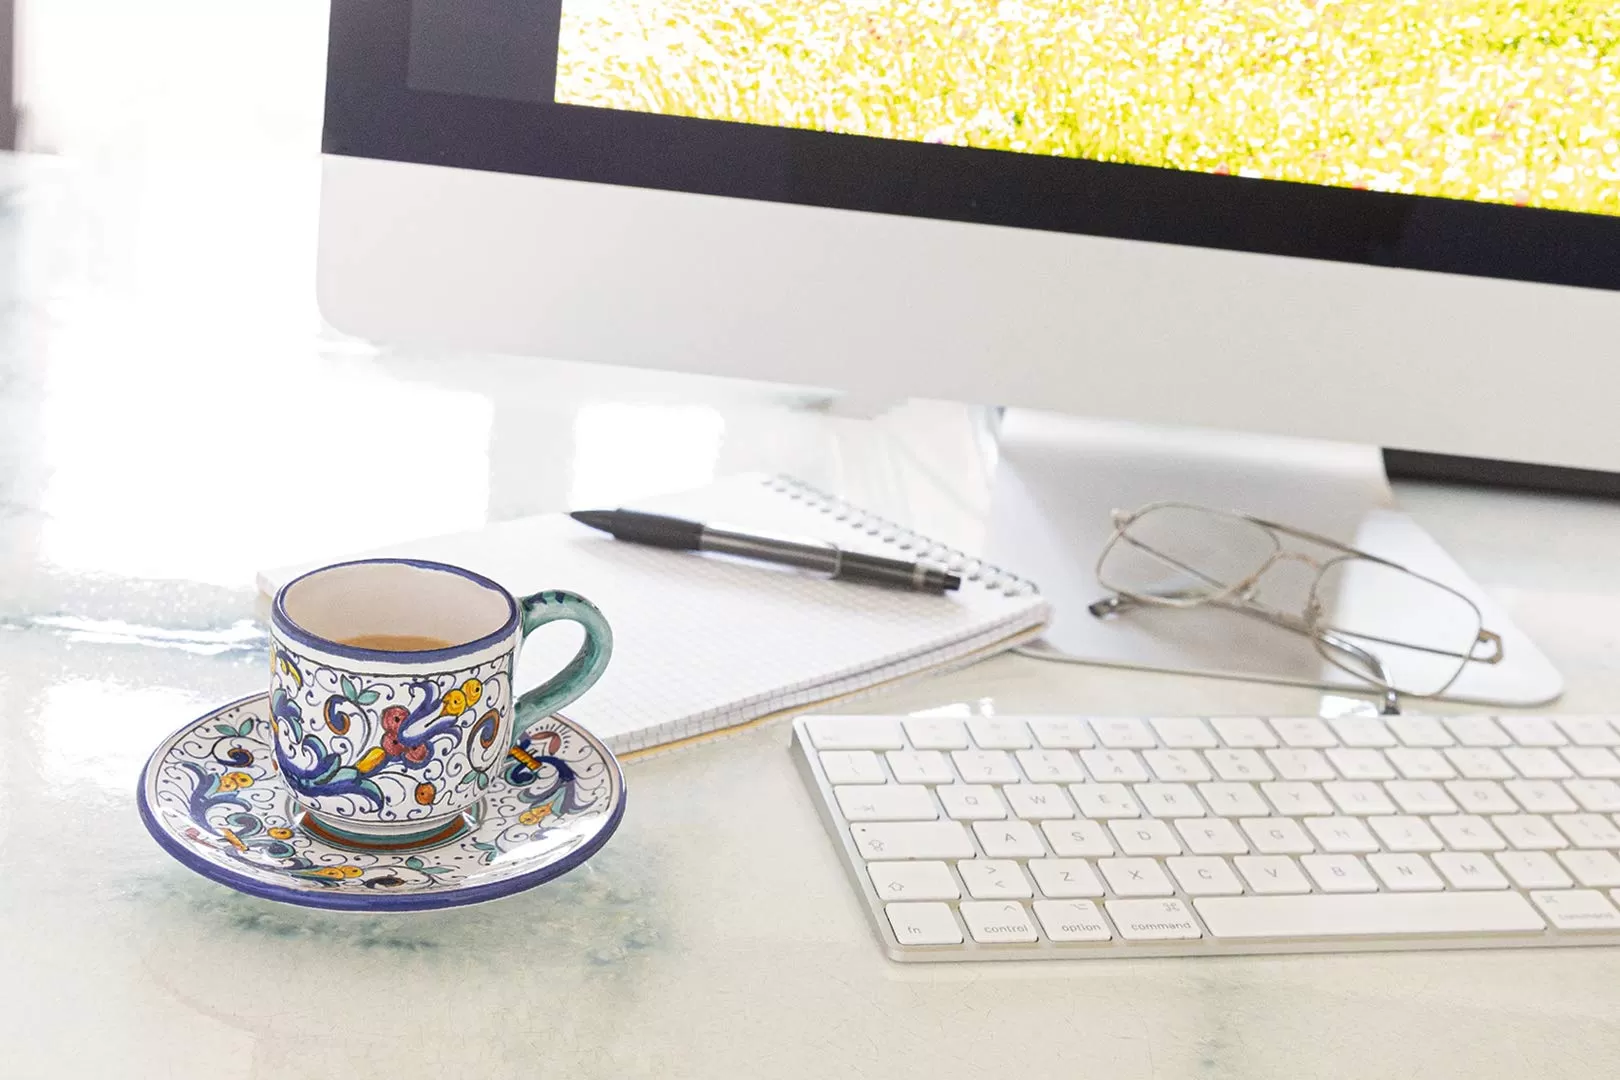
1059	478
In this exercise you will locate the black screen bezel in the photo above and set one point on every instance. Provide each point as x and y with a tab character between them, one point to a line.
372	111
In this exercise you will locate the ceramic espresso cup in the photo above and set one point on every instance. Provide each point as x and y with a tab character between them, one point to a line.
391	693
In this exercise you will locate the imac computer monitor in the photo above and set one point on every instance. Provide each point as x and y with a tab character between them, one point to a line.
1365	220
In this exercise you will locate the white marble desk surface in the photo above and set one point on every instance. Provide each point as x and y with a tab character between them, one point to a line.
156	346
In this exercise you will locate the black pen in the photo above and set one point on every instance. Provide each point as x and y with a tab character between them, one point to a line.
669	532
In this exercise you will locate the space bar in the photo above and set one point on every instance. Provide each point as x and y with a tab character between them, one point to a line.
1374	915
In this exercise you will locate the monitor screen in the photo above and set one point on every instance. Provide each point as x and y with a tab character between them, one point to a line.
1485	100
1477	137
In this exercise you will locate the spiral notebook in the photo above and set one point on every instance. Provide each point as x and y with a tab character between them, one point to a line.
703	643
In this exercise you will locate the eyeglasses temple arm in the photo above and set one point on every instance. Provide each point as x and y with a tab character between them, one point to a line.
1116	605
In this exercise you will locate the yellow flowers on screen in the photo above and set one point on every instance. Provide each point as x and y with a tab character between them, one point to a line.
1514	101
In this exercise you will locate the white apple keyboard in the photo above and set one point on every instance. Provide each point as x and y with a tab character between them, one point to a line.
1058	837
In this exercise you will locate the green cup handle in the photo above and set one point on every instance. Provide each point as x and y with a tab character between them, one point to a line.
582	671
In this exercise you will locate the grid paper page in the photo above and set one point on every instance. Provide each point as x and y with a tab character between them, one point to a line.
704	642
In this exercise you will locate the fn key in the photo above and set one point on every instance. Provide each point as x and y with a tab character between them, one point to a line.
924	924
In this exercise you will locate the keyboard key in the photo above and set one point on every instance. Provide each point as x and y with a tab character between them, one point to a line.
1470	870
1476	731
1009	839
920	767
1062	733
1361	764
1177	765
1123	733
1065	879
1596	796
923	924
1153	920
1420	731
1533	870
1342	835
1271	874
1078	839
1406	872
1358	797
1594	869
935	732
1239	765
1304	731
971	802
854	733
1233	800
985	766
997	920
1421	764
1135	877
1375	915
1276	836
1481	797
1244	732
998	733
1421	797
911	840
1541	796
1526	832
886	802
852	767
1032	802
1168	800
1479	763
1577	909
1211	836
1537	763
994	879
1114	766
1204	876
1588	830
1532	730
1592	762
1296	799
1050	766
1362	731
1466	832
1072	920
1405	833
1104	800
1295	764
1588	730
1144	837
1339	873
1185	733
913	881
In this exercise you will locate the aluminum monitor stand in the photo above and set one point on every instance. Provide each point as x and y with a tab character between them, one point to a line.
1059	478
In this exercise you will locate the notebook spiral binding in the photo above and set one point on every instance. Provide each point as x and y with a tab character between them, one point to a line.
923	549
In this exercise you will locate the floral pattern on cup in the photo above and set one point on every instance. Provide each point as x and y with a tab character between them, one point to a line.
214	789
352	744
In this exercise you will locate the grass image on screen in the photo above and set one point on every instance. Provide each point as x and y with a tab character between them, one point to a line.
1514	101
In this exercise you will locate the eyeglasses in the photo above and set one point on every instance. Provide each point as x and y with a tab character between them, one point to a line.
1394	629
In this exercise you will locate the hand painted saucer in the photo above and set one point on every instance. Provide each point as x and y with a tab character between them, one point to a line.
211	797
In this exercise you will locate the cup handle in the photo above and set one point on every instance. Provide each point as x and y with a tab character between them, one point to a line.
582	671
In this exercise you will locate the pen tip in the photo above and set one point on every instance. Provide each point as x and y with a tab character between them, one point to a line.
596	519
952	582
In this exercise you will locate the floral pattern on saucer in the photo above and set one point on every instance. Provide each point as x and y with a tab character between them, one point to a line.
211	796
